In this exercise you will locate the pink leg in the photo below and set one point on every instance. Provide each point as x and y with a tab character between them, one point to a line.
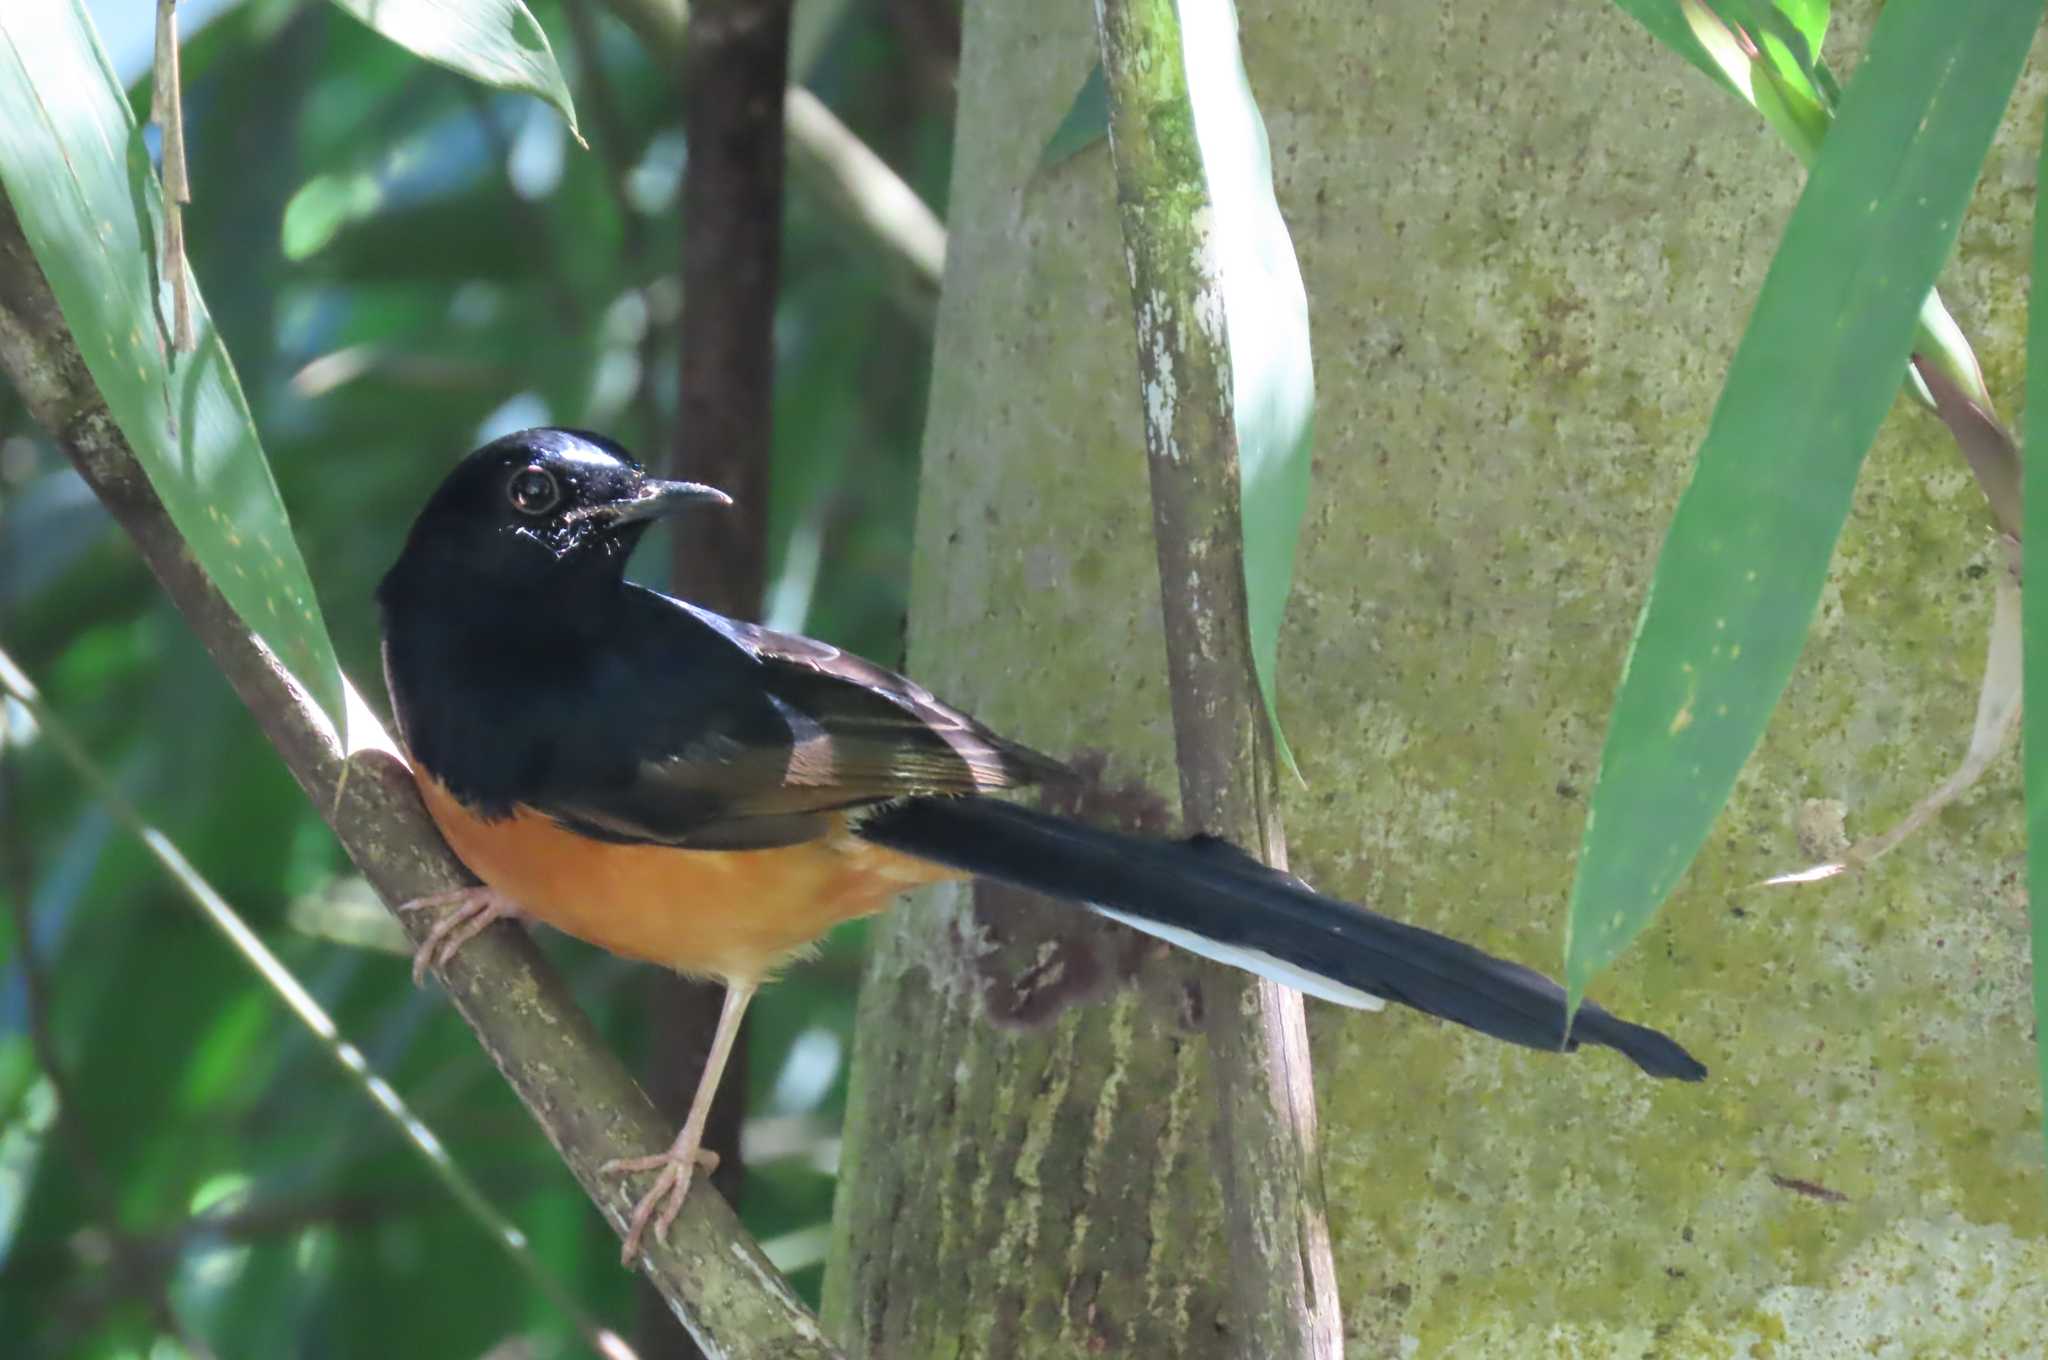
475	908
679	1164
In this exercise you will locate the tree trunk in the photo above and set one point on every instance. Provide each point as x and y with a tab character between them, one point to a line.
1531	239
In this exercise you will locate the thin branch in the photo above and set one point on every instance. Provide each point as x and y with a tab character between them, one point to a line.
710	1271
858	186
72	1134
76	1140
222	916
732	76
1285	1277
848	179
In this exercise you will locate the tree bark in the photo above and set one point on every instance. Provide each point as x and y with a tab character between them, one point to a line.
1277	1232
1531	239
735	60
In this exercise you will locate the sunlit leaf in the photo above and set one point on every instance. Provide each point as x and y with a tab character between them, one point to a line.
1748	549
1788	32
1266	316
78	177
494	42
1668	26
2034	630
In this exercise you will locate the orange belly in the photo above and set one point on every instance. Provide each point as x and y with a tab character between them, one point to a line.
729	914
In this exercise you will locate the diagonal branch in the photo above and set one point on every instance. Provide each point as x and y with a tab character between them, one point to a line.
713	1275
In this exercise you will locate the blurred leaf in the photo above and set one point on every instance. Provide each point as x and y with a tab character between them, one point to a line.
76	172
44	529
2034	632
1748	549
494	42
23	1131
348	911
1086	123
1266	316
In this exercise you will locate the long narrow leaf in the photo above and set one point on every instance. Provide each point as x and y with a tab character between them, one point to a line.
78	178
2034	628
1747	553
1265	313
222	916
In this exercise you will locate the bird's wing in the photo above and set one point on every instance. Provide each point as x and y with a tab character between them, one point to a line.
757	735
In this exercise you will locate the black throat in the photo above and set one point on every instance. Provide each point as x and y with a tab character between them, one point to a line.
481	671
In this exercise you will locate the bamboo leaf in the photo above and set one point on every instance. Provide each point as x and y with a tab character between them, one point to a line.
78	176
1668	26
494	42
1266	317
1747	553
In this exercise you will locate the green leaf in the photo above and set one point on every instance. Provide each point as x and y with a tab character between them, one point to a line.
1748	549
1785	88
1266	317
494	42
1796	25
2034	630
78	176
1668	26
1789	32
1086	123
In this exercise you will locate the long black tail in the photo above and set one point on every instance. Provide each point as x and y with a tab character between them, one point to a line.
1210	897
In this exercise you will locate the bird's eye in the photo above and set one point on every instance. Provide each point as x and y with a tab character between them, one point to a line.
534	491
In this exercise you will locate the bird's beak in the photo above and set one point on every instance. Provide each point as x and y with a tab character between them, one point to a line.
659	499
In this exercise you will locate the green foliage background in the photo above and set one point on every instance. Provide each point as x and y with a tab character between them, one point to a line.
404	264
401	263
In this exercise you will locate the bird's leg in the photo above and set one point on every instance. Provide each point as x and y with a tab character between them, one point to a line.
475	908
686	1154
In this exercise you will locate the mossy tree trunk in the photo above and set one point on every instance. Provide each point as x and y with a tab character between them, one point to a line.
1530	240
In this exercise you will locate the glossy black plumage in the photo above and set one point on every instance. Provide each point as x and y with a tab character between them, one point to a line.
1214	890
527	674
522	674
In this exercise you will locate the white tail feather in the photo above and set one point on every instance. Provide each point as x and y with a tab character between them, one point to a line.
1250	960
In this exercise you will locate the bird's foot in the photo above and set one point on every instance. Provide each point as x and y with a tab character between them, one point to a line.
661	1204
475	908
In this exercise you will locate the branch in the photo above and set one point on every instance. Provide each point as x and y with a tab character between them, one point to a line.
734	68
732	78
714	1276
848	179
1285	1281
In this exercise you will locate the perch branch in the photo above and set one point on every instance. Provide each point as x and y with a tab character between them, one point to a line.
713	1275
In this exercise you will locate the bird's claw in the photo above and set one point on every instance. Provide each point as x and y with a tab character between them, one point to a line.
475	908
670	1189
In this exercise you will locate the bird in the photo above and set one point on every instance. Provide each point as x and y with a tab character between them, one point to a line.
711	795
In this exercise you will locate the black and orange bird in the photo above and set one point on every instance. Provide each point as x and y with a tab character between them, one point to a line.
712	796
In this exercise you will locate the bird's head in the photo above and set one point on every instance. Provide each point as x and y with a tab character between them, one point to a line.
543	508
